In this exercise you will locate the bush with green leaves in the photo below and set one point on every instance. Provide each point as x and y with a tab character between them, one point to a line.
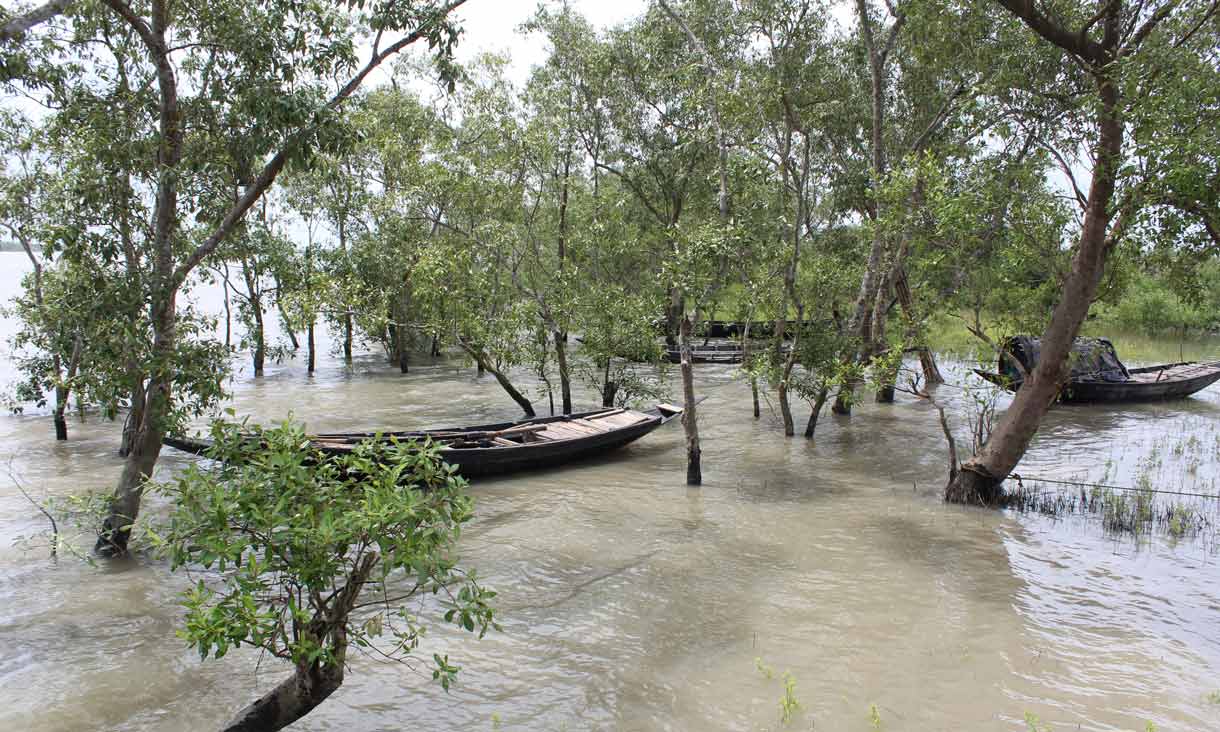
1152	306
302	554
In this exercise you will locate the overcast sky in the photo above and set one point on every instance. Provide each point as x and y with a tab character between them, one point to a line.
491	25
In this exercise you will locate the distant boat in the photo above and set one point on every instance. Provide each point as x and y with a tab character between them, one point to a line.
506	447
758	328
708	353
1097	374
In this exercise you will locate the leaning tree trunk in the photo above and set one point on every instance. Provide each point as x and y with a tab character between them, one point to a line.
981	477
818	403
485	365
690	422
311	682
291	699
927	361
289	326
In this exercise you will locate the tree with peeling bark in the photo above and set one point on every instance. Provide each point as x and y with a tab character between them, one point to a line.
923	68
283	53
691	300
307	556
1131	55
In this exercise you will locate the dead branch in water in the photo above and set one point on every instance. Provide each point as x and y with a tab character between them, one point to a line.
21	487
913	388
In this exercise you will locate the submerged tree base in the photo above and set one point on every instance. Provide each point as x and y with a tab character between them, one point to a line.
973	486
290	700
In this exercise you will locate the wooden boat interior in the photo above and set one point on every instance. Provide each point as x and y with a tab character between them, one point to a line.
567	428
1185	370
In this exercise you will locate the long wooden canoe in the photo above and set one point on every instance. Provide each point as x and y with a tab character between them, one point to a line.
506	447
1152	383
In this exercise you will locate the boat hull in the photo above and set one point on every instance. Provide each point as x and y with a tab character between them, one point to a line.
1154	383
493	460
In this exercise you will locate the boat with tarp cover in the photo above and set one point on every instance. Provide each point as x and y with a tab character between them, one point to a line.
506	447
1097	374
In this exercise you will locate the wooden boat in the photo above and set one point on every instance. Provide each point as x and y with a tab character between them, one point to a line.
708	353
758	328
1098	376
506	447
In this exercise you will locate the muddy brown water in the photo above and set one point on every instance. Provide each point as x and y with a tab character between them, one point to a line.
632	602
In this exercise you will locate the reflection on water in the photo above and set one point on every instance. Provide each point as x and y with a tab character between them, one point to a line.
630	601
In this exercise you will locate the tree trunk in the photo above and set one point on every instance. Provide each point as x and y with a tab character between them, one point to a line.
927	361
146	441
347	338
885	392
403	314
609	388
311	683
61	422
291	699
135	416
63	390
404	352
812	424
745	359
861	324
785	409
391	336
673	316
565	378
347	314
312	348
289	326
228	310
505	384
981	477
690	422
260	342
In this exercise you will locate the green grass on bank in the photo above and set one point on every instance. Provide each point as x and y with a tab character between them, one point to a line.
948	335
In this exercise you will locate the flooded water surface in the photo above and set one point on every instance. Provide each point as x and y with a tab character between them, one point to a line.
630	601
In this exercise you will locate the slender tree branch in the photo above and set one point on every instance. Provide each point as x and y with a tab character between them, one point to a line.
1074	43
1159	15
273	167
15	28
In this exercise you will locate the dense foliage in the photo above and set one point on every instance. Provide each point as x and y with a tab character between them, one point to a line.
304	555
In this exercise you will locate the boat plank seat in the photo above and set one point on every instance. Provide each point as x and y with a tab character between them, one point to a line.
624	419
586	426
